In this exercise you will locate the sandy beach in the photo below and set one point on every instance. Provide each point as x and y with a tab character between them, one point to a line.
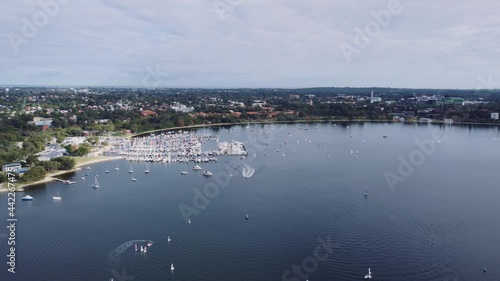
83	161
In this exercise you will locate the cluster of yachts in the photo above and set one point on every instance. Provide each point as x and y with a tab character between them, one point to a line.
169	159
171	148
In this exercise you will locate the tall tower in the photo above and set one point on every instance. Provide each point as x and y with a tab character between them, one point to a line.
371	98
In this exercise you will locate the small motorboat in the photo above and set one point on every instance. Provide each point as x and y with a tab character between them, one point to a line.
27	198
87	168
184	173
82	178
189	221
57	198
369	275
134	179
150	244
246	217
197	168
366	193
385	137
207	173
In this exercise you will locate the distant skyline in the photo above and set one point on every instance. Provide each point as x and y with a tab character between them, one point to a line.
251	44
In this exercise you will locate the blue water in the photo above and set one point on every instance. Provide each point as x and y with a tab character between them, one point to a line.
440	223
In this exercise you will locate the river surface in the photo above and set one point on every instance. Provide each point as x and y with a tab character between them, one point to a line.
436	218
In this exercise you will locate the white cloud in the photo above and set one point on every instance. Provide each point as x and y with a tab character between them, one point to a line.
279	43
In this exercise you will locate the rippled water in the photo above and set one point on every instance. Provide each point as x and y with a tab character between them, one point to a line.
440	223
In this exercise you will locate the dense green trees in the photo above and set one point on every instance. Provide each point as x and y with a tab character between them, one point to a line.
50	166
3	177
78	150
66	163
34	174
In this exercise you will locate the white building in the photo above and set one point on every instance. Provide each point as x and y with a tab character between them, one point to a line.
375	99
182	108
494	116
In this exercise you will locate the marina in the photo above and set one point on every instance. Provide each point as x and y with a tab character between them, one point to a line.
179	147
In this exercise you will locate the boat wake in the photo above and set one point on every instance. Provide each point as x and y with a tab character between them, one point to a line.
114	258
247	171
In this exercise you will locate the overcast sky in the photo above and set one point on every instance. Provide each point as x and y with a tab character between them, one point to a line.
255	43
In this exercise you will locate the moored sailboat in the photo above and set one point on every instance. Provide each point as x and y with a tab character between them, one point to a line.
96	182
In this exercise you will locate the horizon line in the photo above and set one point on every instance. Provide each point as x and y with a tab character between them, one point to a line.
231	88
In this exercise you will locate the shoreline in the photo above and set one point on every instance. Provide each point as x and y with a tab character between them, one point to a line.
304	121
51	177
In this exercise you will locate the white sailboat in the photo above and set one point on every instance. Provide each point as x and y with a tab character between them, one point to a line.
131	170
189	221
147	169
207	173
168	239
96	182
117	168
369	275
366	193
57	198
107	170
172	267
